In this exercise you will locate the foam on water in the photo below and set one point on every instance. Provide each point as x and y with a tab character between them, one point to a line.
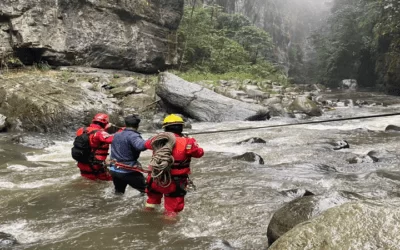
24	232
36	184
17	168
59	152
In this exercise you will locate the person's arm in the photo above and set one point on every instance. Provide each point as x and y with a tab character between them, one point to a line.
138	143
147	144
104	137
193	149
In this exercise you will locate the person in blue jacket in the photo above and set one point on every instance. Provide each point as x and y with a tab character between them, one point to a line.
125	151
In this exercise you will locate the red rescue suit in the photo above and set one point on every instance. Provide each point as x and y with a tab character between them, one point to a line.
99	142
174	202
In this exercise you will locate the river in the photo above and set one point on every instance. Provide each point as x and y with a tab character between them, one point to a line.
45	203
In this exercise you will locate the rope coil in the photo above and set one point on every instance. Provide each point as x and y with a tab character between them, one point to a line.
162	158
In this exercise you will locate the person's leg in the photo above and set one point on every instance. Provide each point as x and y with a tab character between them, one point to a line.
119	183
173	205
136	180
153	197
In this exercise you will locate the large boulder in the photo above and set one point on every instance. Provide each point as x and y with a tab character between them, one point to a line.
49	103
304	105
134	35
201	103
301	210
355	225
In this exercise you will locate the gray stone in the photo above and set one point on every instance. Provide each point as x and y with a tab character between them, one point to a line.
306	106
134	35
257	94
250	157
301	210
350	84
123	91
252	141
271	101
200	103
137	102
392	128
354	225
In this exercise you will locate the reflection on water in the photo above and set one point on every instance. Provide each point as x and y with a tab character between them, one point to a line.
46	205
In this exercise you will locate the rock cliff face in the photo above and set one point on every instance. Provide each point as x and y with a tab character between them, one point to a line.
138	35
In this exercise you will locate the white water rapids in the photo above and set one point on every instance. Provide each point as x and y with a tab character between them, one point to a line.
45	203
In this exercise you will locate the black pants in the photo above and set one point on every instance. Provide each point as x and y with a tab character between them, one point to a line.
134	179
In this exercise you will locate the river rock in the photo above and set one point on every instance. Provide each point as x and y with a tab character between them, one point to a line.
355	225
252	141
350	84
200	103
7	240
301	210
305	105
123	91
250	157
362	159
136	102
134	35
341	145
3	122
392	128
48	103
271	101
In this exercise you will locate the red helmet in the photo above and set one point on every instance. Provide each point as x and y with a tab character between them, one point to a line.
100	117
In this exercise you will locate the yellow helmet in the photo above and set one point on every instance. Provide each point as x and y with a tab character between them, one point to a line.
172	119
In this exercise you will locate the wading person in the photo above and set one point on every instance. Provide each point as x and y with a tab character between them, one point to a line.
125	151
169	177
91	148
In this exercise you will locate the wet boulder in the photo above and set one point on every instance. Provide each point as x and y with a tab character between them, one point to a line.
252	141
301	210
392	128
304	105
381	155
3	122
362	159
341	145
261	115
201	103
350	84
355	225
7	240
250	157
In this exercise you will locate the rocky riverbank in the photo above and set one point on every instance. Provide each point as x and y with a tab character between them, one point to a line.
60	100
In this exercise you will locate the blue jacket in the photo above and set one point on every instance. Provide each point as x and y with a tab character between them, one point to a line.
125	148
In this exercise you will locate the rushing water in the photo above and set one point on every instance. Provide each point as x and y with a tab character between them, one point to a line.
45	203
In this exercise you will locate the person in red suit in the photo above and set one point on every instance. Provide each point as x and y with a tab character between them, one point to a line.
99	143
174	195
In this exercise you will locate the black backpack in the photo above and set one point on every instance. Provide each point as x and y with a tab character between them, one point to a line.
82	152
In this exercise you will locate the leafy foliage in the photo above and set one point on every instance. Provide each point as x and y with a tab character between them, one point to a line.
357	42
216	42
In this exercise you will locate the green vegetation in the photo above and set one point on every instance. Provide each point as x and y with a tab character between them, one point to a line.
359	41
215	45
